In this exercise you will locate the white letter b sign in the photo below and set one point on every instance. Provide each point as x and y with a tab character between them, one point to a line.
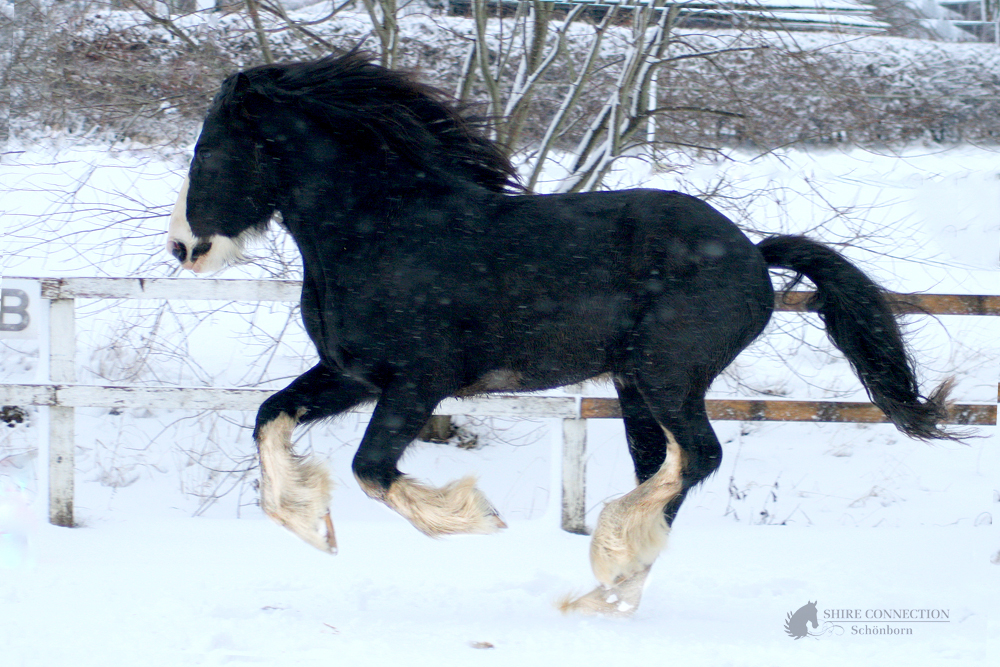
19	301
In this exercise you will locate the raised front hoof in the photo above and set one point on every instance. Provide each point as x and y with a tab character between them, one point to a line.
456	508
318	533
617	601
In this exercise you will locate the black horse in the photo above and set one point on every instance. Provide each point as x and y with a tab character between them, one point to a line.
429	273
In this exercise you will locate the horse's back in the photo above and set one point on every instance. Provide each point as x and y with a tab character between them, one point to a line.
624	213
638	234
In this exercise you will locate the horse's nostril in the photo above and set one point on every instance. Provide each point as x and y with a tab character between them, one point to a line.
178	250
200	249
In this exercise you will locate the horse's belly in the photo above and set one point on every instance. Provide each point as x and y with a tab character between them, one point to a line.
507	380
494	381
538	362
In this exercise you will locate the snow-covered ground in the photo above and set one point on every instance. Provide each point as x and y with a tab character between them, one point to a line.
213	592
852	517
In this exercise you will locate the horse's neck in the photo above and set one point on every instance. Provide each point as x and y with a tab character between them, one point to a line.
363	202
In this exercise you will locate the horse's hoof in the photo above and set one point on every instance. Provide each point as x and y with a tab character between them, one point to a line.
319	534
618	601
331	537
499	522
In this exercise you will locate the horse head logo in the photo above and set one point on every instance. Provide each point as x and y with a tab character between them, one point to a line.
796	623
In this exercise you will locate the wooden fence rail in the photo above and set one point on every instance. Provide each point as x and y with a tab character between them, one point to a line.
289	290
62	395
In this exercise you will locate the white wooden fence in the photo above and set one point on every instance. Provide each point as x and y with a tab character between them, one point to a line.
62	395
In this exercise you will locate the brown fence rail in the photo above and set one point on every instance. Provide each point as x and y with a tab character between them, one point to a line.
799	411
917	304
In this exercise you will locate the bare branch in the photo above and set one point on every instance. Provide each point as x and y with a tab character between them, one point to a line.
165	22
265	46
279	11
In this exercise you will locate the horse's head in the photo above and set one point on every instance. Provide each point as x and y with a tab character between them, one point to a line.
327	130
810	614
229	192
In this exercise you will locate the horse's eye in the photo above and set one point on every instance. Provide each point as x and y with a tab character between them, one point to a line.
205	155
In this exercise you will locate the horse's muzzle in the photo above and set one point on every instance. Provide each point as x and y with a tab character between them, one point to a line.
179	250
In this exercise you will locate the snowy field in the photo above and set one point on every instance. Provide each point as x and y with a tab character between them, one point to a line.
141	584
851	517
212	592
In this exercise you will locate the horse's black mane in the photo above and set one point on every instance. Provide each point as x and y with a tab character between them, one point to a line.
414	120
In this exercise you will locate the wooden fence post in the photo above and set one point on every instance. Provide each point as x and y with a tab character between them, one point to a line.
62	441
574	473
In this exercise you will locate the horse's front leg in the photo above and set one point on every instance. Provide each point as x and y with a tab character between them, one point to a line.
294	489
458	507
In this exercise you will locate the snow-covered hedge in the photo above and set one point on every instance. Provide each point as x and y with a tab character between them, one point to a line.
118	72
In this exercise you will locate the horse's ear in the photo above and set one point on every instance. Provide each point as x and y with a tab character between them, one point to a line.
248	100
242	84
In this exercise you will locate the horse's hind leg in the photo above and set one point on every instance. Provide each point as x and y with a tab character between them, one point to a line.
631	531
295	490
673	447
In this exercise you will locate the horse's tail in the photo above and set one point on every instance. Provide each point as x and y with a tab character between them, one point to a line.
861	323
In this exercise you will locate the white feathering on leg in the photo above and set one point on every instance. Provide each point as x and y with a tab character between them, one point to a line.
294	490
631	532
458	507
